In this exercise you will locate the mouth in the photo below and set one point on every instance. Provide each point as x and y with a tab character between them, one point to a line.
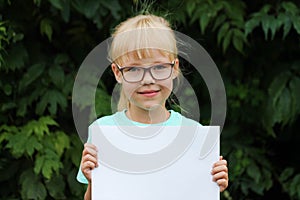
149	93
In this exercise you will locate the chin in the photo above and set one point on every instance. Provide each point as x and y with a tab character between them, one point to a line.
152	107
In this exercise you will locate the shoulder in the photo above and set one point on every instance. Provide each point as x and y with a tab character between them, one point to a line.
118	118
179	119
106	120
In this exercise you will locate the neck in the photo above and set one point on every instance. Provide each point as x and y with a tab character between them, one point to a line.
157	114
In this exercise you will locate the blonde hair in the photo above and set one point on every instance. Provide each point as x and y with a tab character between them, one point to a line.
138	36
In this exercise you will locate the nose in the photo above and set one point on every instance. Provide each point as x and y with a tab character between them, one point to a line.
147	79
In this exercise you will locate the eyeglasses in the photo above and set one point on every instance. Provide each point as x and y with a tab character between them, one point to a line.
135	74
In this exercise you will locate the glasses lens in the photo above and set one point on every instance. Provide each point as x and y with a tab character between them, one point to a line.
133	74
158	72
162	71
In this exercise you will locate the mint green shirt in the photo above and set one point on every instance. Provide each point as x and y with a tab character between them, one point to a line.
120	118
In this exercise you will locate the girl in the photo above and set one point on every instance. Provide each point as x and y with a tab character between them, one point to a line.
144	61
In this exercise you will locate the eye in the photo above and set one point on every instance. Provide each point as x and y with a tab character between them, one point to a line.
131	69
159	67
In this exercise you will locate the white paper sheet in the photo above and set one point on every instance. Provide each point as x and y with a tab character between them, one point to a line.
185	177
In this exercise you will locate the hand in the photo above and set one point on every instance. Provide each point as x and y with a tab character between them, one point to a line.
89	160
220	173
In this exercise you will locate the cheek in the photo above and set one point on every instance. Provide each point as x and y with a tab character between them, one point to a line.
167	85
129	89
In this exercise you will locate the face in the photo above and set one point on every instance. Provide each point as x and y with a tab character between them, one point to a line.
148	93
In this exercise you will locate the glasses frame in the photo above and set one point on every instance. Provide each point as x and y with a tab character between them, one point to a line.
146	69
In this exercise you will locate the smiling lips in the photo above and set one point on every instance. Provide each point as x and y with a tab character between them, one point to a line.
149	93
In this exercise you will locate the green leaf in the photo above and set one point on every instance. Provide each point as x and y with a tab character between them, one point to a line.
286	174
68	85
220	20
190	7
17	143
57	75
90	8
61	59
61	142
222	32
283	106
286	28
254	172
238	40
281	19
277	86
65	12
103	103
269	23
238	44
18	37
46	121
47	162
31	186
33	144
3	136
266	8
46	28
74	150
37	2
50	166
15	57
57	3
268	179
41	106
7	89
234	10
33	73
22	107
74	185
204	20
56	187
227	40
274	26
294	86
39	128
290	7
38	164
293	187
266	24
296	23
8	106
251	24
53	98
114	7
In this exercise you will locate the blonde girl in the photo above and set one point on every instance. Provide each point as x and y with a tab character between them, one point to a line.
144	61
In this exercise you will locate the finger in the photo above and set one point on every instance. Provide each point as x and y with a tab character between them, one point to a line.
90	158
221	168
86	169
220	175
220	162
88	149
223	184
90	145
88	166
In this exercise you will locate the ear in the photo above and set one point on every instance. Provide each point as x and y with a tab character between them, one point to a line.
176	70
117	73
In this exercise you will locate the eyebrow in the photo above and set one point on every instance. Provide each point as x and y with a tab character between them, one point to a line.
139	64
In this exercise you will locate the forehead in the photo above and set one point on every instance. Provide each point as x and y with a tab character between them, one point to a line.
141	43
145	56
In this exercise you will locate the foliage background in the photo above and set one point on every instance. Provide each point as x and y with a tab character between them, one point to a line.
255	44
